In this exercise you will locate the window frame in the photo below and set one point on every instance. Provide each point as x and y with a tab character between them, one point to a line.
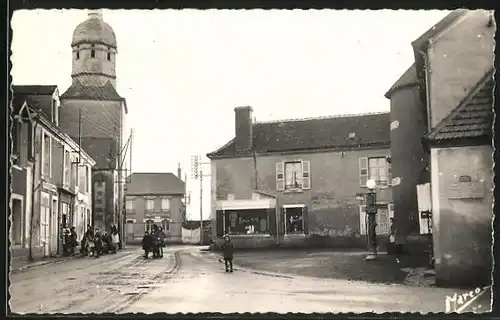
146	207
364	171
131	201
168	204
305	175
229	227
46	155
286	221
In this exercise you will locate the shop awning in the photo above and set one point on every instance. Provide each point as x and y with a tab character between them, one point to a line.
246	204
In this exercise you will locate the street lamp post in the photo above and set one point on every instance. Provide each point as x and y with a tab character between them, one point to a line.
371	211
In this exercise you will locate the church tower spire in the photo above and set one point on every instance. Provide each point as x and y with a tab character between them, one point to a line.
94	51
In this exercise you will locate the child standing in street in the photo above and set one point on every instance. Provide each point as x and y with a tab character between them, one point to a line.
228	252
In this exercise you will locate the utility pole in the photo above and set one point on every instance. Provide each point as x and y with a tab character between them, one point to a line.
197	172
121	161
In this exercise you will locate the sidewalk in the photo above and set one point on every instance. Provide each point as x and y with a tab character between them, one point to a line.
21	264
349	265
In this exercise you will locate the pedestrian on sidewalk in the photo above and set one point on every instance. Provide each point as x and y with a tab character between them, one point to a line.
115	240
66	232
73	241
228	252
147	244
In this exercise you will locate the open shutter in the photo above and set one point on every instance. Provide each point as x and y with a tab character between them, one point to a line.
391	210
362	220
219	223
280	176
305	219
306	175
363	171
389	173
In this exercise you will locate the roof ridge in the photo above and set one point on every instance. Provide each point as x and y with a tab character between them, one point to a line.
463	103
346	115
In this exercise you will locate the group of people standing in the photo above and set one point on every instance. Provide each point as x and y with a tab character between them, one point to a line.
69	240
96	243
154	241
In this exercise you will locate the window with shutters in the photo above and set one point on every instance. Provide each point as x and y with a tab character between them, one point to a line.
383	218
293	175
67	168
46	156
374	168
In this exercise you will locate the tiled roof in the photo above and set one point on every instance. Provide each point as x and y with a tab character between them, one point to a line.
38	97
154	184
409	77
35	89
473	118
102	150
316	133
78	91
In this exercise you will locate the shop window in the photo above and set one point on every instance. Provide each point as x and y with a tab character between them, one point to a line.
247	222
294	220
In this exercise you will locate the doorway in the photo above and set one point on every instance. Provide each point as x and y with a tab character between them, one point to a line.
53	227
17	222
45	224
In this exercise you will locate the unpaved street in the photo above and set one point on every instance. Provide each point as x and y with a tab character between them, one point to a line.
188	280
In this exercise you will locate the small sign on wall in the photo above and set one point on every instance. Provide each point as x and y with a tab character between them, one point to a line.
466	188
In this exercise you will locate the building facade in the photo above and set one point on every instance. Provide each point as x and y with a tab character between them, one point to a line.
58	188
154	198
299	182
92	110
453	67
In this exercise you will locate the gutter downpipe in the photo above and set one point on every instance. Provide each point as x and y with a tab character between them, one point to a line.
34	190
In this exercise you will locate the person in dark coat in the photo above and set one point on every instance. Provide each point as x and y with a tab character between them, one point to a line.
161	240
228	252
73	240
147	244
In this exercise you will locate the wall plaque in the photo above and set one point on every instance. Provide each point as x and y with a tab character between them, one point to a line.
466	189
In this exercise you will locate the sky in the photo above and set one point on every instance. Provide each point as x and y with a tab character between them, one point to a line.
184	71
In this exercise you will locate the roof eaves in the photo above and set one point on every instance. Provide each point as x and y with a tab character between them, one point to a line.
447	120
213	154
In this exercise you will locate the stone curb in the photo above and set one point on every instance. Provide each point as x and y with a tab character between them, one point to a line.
56	260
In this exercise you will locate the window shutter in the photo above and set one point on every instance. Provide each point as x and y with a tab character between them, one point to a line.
391	210
389	173
280	176
306	175
362	220
363	171
305	219
219	223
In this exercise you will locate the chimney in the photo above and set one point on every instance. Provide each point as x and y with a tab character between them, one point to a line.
179	171
243	129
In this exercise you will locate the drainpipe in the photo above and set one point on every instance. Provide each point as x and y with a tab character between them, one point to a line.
33	190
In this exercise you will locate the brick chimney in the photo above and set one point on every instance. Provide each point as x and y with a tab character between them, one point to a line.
243	129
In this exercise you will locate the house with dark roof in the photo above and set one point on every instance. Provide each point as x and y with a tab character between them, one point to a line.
445	102
154	198
292	182
50	175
